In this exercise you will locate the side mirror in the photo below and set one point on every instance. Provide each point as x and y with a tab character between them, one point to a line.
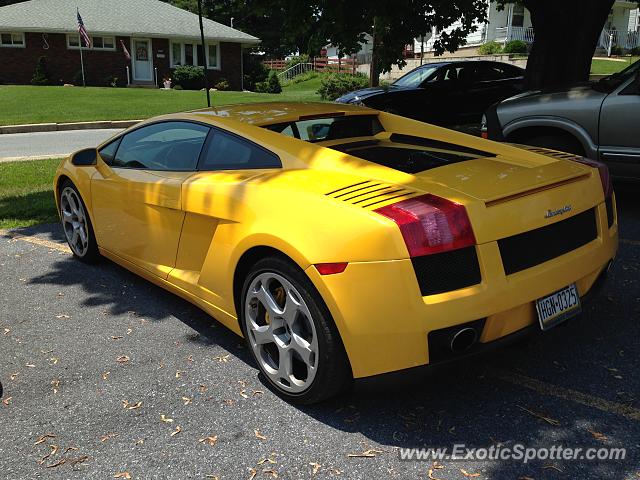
86	157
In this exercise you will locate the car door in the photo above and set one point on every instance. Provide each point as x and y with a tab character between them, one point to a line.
136	192
619	142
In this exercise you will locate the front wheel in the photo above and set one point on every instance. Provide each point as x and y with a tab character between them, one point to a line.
76	223
291	334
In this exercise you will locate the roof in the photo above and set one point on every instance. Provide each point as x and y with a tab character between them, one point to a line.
150	18
268	113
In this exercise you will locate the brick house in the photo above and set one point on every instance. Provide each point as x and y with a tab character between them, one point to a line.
157	35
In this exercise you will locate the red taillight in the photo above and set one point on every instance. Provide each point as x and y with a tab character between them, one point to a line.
330	268
431	224
605	178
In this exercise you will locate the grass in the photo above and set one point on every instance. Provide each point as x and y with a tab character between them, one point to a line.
29	104
601	66
26	193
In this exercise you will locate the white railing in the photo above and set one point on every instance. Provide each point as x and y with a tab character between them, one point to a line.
625	40
297	69
506	34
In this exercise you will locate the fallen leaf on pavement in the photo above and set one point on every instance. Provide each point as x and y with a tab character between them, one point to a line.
30	365
222	358
105	375
259	435
271	472
7	401
122	359
106	437
126	475
175	432
597	435
257	392
316	468
267	459
129	331
243	394
549	420
467	474
43	438
372	452
13	376
7	331
179	373
58	463
54	450
212	440
131	406
69	449
62	315
252	473
187	400
54	385
117	337
165	419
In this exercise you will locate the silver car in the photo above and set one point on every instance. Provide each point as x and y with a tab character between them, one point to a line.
600	120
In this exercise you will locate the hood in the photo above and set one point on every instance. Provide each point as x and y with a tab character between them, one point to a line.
370	92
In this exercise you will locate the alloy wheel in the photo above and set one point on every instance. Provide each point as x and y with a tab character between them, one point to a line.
74	221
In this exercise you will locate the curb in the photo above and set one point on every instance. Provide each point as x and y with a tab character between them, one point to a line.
60	127
33	157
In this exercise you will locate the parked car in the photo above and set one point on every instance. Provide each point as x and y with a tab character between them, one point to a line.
444	93
600	120
340	241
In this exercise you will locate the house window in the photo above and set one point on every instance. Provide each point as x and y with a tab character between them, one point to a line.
187	53
518	16
15	40
97	42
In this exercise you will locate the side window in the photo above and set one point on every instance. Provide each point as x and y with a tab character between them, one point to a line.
228	152
487	73
108	152
171	146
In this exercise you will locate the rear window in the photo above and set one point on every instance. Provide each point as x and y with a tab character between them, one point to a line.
330	128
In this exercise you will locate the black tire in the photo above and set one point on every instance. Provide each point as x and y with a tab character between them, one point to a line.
90	254
333	374
562	143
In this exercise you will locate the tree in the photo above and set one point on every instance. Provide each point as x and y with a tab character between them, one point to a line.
566	36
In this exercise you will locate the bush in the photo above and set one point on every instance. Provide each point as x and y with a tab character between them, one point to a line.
490	48
177	87
254	72
334	85
616	50
222	84
293	61
272	85
303	77
188	77
111	81
40	76
635	51
77	78
515	46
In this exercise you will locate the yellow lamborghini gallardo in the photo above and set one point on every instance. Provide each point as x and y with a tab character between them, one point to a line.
343	242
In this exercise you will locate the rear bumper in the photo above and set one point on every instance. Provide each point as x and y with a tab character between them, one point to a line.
384	321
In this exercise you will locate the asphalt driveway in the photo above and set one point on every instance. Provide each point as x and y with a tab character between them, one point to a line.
108	376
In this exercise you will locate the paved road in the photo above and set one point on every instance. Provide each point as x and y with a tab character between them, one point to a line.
21	145
93	357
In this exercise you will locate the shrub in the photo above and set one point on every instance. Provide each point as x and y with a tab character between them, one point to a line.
616	50
273	83
77	78
188	77
490	48
334	85
111	81
635	51
293	61
177	87
303	77
254	72
40	76
515	46
222	84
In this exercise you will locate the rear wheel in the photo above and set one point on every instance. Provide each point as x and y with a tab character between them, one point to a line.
291	334
76	223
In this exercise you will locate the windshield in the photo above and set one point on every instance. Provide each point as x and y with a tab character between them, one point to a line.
416	77
614	81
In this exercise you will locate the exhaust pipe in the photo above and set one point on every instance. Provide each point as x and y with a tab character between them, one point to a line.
463	340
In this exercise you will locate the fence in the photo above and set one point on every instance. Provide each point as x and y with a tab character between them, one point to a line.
624	40
506	34
319	64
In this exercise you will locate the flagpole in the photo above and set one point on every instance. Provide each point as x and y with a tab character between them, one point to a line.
84	84
204	53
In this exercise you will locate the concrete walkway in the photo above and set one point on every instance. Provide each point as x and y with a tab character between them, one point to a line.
20	146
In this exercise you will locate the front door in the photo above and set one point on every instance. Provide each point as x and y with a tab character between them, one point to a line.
136	192
142	60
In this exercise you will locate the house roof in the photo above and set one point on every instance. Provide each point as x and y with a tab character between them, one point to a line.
150	18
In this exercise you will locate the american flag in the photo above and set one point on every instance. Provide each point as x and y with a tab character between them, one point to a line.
83	31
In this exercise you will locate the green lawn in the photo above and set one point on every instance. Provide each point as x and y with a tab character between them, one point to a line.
26	193
600	66
27	104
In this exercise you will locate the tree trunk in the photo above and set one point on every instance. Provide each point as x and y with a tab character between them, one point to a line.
566	35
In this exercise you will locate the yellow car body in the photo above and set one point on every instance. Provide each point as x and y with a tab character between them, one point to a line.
195	233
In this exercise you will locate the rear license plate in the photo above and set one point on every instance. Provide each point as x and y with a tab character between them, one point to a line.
558	307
